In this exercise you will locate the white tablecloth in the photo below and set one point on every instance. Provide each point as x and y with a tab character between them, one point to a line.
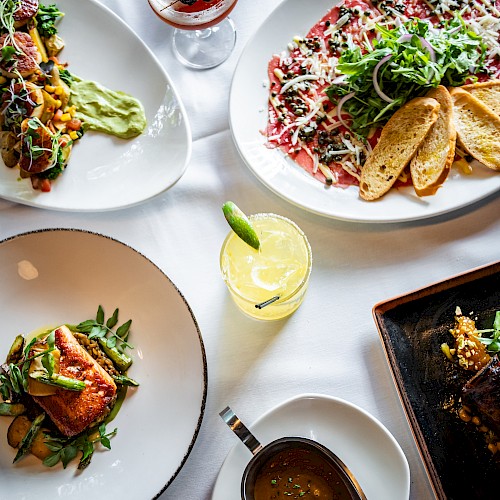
330	345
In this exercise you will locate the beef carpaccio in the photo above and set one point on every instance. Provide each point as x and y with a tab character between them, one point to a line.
306	125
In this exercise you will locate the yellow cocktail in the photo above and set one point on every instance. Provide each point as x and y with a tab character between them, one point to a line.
277	273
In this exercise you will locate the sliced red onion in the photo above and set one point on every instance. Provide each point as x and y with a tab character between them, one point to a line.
376	86
339	108
424	43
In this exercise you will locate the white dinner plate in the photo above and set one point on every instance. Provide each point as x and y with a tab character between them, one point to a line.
248	118
104	172
51	277
358	439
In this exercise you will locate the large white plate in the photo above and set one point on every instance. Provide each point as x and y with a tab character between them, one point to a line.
106	173
159	421
248	117
358	439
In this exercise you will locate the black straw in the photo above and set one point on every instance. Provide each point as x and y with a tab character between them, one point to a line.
267	302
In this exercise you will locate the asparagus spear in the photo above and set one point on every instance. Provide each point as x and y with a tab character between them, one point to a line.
27	440
71	384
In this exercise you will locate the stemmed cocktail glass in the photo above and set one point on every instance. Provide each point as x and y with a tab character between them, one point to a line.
204	36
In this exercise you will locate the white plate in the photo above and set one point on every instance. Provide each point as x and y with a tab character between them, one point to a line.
106	173
248	118
358	439
159	421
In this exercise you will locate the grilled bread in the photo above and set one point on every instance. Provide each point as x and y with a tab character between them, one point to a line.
487	92
432	162
478	128
399	140
74	411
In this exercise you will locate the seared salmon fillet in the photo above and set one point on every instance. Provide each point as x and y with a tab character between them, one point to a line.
72	411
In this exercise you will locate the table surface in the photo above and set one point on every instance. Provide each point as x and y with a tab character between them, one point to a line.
330	345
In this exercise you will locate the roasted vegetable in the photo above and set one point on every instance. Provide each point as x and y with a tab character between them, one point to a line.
16	350
27	440
12	409
18	428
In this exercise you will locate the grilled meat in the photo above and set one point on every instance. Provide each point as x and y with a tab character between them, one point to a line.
483	392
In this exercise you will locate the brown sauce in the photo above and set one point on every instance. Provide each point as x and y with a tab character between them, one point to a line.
299	473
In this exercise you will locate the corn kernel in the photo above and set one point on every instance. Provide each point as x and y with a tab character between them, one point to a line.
65	117
58	103
73	135
58	90
49	88
71	110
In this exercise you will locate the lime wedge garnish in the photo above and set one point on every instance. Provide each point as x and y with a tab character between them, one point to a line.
240	224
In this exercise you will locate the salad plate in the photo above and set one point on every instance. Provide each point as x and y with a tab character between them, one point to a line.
366	447
412	328
104	172
248	119
56	276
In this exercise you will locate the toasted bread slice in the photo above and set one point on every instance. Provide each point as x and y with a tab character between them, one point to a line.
399	140
487	92
478	128
73	411
432	162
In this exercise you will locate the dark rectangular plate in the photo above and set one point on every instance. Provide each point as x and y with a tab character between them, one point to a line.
412	328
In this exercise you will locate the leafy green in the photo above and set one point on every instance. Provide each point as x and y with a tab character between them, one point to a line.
56	170
104	331
411	69
66	76
493	341
66	449
46	18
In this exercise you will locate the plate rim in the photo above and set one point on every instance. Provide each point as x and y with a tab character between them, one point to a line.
188	307
386	305
175	94
490	192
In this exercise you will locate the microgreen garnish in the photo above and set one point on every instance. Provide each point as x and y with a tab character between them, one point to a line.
404	63
66	449
32	150
7	53
104	330
493	342
7	9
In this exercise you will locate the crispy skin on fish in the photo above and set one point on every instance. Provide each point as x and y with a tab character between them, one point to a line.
483	392
71	411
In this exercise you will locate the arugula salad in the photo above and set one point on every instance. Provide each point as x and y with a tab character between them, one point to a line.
64	386
401	63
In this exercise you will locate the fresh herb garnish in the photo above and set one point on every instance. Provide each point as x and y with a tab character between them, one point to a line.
104	331
493	341
8	52
46	18
66	76
402	64
66	449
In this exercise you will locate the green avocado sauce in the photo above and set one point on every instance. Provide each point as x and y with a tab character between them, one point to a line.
109	111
